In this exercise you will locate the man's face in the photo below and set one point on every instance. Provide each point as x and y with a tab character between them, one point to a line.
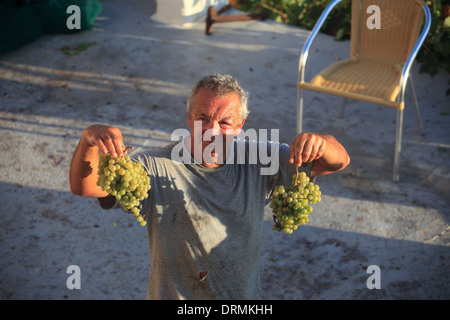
220	116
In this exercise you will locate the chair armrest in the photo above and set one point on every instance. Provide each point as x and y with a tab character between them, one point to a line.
415	50
311	37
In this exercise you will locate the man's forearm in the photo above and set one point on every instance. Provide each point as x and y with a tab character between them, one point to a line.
334	158
83	171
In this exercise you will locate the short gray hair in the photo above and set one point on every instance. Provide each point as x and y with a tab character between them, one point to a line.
220	85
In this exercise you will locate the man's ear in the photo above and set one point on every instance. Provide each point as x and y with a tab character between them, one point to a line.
189	119
238	130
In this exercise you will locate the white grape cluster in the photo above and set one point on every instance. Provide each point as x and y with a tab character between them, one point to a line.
126	180
291	206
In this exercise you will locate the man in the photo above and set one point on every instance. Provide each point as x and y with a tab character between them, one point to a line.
204	217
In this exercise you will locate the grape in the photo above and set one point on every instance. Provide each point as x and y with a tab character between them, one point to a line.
292	205
126	180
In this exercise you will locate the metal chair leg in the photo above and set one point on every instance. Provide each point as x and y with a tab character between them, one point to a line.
416	105
398	145
299	111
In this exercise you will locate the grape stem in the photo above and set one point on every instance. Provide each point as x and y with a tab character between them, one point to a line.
128	147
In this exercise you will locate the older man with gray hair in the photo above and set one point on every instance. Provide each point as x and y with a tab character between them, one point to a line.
205	217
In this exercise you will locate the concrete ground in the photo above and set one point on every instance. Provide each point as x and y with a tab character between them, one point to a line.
137	76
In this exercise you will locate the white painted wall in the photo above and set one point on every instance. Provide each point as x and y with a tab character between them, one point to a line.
184	12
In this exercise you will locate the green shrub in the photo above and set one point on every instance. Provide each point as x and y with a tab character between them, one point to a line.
435	51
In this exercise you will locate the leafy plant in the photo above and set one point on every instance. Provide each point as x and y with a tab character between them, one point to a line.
304	13
435	52
76	50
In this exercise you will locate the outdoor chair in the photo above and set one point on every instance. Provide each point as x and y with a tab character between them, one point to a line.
380	60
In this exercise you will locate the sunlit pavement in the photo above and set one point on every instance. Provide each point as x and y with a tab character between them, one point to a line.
137	76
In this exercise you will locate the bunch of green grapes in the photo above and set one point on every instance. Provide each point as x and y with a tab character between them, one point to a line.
126	180
291	206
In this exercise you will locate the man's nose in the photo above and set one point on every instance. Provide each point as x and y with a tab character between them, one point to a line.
213	126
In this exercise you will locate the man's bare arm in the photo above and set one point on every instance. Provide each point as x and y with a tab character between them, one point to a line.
324	150
83	170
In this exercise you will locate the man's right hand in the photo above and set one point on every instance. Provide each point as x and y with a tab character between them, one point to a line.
105	138
83	169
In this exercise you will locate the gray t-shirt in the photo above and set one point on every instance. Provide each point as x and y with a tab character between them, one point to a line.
208	221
